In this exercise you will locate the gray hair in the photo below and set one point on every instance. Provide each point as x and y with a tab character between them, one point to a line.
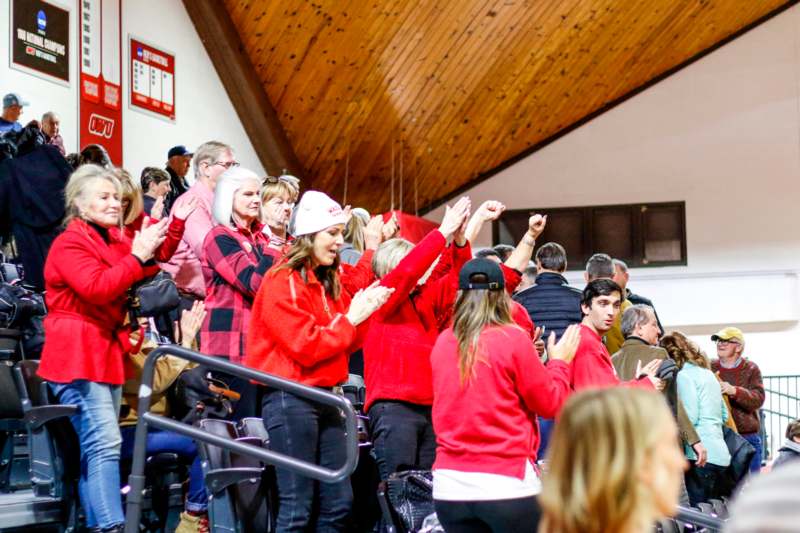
388	255
635	316
552	256
210	153
600	266
621	264
229	182
50	115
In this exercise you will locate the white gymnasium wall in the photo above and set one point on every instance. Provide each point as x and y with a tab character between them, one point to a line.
723	135
203	110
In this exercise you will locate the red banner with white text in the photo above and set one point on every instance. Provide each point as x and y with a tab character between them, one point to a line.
101	75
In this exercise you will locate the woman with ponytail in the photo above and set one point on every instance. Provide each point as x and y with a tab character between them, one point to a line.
488	388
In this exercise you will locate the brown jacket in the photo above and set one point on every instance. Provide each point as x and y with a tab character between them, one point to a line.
625	361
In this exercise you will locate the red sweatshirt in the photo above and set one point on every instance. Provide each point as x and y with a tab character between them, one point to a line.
592	366
489	425
403	331
299	332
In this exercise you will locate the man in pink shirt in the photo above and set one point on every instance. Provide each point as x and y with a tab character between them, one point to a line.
210	160
592	365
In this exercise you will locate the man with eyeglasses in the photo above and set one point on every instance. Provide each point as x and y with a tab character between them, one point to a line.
741	382
210	160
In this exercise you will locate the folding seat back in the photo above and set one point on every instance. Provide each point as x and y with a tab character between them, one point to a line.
254	427
255	498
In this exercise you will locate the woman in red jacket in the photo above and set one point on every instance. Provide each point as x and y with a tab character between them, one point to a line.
88	271
133	215
397	348
234	264
304	324
488	388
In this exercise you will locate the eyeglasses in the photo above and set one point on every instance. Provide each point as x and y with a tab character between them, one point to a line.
725	342
226	164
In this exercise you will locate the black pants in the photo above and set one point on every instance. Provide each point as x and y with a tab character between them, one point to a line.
313	433
705	482
520	515
402	436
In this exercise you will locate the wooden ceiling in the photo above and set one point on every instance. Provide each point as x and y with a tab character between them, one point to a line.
442	92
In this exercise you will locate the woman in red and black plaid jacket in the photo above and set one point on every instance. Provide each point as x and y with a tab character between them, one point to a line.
234	264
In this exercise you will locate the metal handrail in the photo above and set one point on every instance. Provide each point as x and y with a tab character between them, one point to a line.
136	480
697	518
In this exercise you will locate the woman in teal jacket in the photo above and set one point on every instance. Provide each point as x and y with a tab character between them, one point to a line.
699	390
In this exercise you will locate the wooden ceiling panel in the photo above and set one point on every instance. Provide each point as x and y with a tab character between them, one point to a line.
443	92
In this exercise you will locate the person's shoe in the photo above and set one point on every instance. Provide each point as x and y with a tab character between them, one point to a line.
192	523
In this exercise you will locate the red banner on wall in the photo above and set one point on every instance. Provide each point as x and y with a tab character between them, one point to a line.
152	75
101	75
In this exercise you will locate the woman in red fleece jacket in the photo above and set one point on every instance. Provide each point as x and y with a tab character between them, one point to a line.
488	387
397	348
303	327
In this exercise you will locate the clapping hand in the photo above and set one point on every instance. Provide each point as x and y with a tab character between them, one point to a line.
147	240
184	209
367	301
567	345
191	320
650	370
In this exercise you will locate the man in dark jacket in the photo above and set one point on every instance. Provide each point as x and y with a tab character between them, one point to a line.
178	161
551	302
621	276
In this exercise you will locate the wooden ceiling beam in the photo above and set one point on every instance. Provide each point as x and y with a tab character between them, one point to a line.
258	117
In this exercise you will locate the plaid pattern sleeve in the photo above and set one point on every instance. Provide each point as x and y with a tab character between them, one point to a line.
234	266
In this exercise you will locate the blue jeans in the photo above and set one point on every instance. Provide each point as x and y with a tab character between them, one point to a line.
168	442
755	440
313	433
402	436
99	438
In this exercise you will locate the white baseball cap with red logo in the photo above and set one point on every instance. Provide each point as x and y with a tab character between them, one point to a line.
316	212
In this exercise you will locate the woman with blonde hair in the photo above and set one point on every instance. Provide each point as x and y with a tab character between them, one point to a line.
278	196
88	272
133	215
614	465
489	386
699	391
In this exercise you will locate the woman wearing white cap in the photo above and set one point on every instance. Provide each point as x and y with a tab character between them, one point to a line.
304	324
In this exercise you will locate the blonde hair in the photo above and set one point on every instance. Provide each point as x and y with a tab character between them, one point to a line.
683	350
280	187
80	182
298	258
132	192
475	310
354	230
228	183
601	445
388	255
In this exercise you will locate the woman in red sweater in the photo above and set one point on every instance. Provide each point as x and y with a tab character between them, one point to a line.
88	271
304	324
488	387
397	349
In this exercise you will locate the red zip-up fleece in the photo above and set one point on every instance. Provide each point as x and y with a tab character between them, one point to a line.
402	332
87	279
489	424
298	332
592	367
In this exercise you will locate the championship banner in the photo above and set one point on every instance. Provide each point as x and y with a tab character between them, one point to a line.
40	39
152	75
101	75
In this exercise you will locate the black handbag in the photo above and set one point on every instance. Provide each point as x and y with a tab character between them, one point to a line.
411	496
742	453
153	297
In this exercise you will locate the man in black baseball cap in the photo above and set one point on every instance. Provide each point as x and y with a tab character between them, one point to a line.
178	161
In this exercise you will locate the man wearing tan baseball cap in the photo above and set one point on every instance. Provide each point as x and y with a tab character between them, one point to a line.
741	382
